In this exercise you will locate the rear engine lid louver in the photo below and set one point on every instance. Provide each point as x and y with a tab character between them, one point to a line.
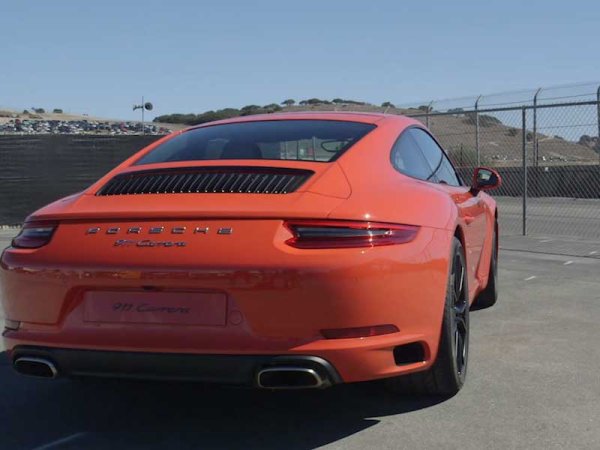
208	180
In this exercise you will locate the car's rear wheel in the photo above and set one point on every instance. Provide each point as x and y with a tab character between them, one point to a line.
489	295
448	373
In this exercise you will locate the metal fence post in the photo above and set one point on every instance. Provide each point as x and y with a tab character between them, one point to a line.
427	113
143	128
477	131
524	144
598	117
535	140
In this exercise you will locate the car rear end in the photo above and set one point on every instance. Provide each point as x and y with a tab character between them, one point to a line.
222	271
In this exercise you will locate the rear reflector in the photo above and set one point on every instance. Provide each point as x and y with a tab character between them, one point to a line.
34	234
346	234
359	332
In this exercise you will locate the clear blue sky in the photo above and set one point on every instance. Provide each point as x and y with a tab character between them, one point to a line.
99	57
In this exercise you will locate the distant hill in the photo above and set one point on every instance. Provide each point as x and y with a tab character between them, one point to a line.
313	104
500	144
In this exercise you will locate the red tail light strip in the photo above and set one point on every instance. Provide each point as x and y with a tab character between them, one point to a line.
345	234
35	234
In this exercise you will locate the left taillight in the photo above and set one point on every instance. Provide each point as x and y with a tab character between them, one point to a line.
35	234
346	234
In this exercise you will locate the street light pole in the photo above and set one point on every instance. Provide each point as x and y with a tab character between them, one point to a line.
143	130
143	106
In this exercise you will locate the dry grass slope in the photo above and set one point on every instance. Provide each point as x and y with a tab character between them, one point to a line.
500	144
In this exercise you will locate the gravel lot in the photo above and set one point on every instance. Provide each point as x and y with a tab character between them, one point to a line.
533	383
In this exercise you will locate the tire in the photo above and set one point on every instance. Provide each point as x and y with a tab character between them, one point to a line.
489	295
448	373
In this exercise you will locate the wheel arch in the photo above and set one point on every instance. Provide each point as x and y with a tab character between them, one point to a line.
496	229
459	233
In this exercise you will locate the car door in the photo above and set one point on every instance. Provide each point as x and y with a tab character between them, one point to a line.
471	208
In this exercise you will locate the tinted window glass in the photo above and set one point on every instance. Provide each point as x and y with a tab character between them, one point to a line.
313	140
439	163
447	173
408	158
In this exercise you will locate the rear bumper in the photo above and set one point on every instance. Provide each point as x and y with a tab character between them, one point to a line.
277	301
351	360
222	369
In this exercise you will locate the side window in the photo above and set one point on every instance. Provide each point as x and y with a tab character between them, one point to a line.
447	173
408	158
435	156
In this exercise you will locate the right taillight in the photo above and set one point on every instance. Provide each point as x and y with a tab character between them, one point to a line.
346	234
35	234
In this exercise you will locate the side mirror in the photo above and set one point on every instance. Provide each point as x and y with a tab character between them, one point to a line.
485	179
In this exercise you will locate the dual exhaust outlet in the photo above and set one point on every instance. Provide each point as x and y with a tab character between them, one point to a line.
277	377
35	367
290	377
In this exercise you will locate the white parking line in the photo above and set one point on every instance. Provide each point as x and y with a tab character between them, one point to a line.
530	278
55	444
567	263
593	253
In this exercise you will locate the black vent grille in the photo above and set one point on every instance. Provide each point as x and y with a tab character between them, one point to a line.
213	180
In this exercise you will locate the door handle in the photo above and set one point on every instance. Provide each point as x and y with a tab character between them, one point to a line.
469	219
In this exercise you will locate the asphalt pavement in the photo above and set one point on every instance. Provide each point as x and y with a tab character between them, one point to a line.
575	218
533	383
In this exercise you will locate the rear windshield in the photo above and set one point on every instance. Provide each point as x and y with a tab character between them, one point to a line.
306	140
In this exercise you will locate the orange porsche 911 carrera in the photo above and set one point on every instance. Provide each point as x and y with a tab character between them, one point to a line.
280	251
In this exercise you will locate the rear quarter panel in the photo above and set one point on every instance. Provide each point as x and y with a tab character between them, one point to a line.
380	193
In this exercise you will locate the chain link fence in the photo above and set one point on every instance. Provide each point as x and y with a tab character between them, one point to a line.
545	144
547	150
40	169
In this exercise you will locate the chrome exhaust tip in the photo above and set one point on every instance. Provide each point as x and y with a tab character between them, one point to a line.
35	367
287	377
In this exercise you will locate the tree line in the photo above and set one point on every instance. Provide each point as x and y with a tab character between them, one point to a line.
227	113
